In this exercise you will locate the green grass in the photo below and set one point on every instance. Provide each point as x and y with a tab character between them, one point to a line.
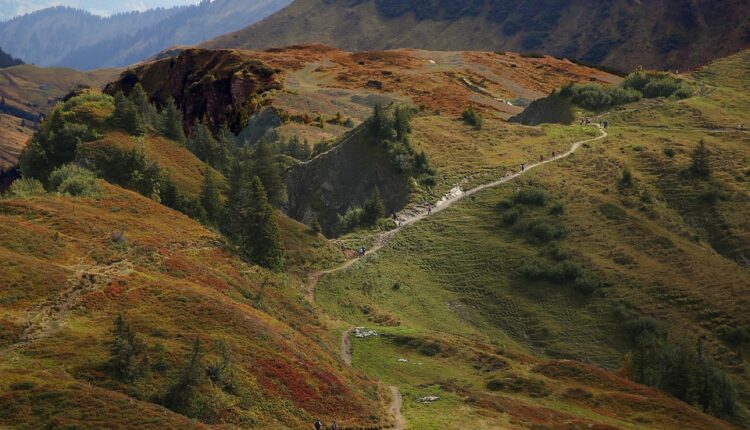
658	246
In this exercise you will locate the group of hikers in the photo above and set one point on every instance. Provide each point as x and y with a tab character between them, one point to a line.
319	425
587	121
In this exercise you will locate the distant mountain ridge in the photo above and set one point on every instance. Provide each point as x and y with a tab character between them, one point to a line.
7	60
623	34
68	37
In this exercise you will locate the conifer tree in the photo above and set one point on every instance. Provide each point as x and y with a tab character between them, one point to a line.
701	165
183	396
237	201
126	116
261	239
294	148
140	100
402	122
210	196
202	143
226	147
170	122
374	209
381	127
126	351
265	167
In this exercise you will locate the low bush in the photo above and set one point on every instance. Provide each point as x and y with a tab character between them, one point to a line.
735	336
473	117
73	180
511	216
557	209
543	231
531	196
556	272
351	219
24	188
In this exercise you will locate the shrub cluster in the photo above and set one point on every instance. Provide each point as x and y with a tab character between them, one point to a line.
636	86
473	118
73	180
683	372
366	215
392	128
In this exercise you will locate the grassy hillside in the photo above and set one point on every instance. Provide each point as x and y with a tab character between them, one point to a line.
540	303
15	135
621	34
571	277
66	279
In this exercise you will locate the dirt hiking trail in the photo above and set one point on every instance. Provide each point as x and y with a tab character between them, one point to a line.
407	218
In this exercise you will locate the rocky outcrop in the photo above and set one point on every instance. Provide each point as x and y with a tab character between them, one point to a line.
344	177
221	86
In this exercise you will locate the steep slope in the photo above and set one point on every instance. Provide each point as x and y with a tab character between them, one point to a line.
219	340
72	38
65	280
224	87
621	34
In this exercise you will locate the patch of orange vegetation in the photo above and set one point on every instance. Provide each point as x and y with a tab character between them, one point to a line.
435	79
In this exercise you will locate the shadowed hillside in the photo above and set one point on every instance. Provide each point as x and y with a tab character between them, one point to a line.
621	34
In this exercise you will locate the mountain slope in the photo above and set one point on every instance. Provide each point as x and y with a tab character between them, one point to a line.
665	251
470	341
622	34
27	93
73	38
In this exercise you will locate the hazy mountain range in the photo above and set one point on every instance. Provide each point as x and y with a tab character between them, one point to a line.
619	33
69	37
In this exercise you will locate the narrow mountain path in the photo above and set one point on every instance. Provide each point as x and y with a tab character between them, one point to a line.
407	219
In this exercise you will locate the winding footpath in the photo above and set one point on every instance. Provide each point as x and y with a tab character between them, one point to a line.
405	220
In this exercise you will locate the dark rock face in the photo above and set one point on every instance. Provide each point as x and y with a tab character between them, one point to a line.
344	177
220	86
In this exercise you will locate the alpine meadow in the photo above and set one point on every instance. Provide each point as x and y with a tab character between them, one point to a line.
376	215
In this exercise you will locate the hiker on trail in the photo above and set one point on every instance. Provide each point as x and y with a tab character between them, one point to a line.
334	426
523	167
606	124
429	208
318	424
541	157
362	251
553	154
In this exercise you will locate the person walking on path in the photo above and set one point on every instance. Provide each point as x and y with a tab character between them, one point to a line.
318	424
523	167
334	426
429	208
